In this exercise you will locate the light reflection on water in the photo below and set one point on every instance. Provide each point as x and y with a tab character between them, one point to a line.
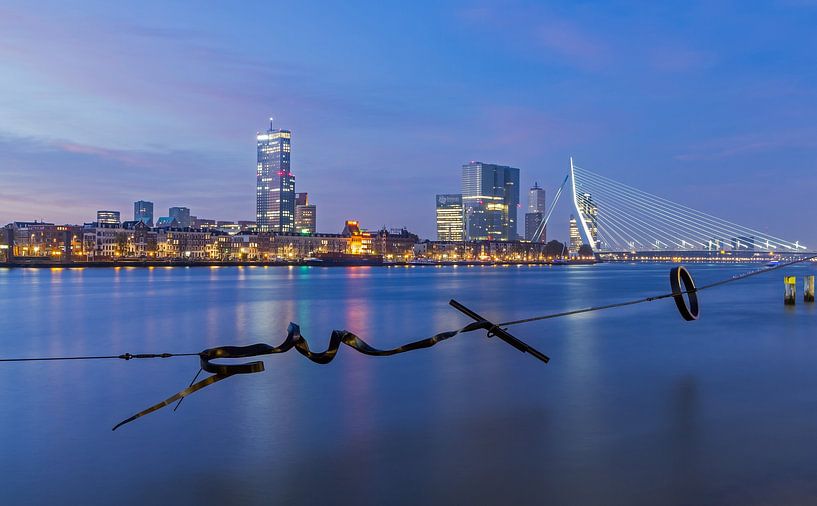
635	407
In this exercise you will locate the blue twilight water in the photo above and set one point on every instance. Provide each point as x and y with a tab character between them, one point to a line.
636	406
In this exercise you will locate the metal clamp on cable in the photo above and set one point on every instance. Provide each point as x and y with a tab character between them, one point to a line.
495	330
680	276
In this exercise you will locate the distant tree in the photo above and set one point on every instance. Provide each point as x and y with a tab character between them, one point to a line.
122	244
554	248
585	250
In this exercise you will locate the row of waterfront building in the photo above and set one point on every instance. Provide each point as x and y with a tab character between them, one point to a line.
33	242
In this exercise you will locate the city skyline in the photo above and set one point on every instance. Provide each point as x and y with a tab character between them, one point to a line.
718	120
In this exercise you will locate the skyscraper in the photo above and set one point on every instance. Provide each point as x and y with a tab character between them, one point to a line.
590	213
450	223
536	199
108	217
275	184
305	214
575	236
143	211
536	212
181	215
490	197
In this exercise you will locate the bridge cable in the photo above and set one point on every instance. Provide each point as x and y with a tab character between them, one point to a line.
658	297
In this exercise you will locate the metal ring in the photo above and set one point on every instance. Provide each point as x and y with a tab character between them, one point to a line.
678	276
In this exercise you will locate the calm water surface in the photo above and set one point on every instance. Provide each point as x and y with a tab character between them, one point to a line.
636	406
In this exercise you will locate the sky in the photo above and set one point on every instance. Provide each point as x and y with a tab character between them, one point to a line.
710	104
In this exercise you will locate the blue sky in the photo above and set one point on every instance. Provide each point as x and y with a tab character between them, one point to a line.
711	104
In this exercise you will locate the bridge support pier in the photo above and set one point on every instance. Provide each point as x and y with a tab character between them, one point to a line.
790	283
808	288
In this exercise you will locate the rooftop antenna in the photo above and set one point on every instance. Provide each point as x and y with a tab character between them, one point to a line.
270	123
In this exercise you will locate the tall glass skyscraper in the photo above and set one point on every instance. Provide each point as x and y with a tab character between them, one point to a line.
590	215
536	199
143	211
536	212
490	197
575	236
275	184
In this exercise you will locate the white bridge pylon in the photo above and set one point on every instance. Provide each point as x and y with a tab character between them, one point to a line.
613	216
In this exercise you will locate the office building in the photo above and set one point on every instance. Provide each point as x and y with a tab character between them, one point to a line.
108	217
143	211
450	222
532	222
536	199
305	214
490	197
535	213
202	223
590	211
181	215
275	184
246	225
575	236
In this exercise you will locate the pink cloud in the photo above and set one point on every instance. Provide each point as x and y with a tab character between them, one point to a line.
539	30
571	43
738	145
125	156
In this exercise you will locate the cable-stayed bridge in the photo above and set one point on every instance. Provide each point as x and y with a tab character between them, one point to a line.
615	217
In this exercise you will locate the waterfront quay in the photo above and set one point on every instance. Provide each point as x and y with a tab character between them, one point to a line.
48	264
99	244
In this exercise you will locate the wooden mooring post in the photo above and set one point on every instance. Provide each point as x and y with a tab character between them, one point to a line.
808	288
790	282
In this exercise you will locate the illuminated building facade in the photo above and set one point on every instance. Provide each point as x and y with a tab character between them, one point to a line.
44	240
305	214
108	217
575	236
143	211
450	220
360	241
394	244
536	212
6	243
591	215
481	251
275	184
490	197
202	223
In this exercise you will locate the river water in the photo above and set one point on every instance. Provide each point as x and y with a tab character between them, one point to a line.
636	405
